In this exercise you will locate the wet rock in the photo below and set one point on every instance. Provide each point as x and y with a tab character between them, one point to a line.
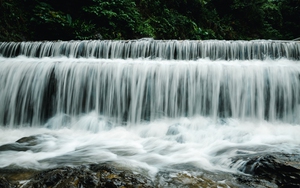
63	177
113	177
4	183
14	147
173	130
14	174
272	170
265	170
29	141
92	176
187	180
23	144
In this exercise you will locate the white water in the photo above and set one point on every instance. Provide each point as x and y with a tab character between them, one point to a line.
149	48
145	113
158	145
130	91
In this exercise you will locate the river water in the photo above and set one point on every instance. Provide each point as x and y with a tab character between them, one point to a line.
147	108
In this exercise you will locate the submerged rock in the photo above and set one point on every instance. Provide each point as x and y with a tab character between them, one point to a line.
23	144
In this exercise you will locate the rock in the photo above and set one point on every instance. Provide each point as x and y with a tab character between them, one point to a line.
281	170
120	178
4	183
23	144
30	140
90	176
173	130
14	147
259	171
13	174
186	180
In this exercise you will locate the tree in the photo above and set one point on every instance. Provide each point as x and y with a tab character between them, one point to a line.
290	10
118	19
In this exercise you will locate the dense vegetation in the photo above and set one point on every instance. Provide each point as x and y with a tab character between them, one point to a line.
160	19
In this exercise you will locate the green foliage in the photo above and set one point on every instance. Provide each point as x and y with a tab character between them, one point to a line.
13	22
44	13
248	19
290	10
118	19
85	31
160	19
272	20
58	24
172	25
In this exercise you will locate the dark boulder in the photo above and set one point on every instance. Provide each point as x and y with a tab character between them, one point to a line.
277	169
93	176
4	183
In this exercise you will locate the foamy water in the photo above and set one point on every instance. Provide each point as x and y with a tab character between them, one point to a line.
148	113
152	146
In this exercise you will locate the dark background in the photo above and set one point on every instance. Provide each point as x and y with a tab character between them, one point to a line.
31	20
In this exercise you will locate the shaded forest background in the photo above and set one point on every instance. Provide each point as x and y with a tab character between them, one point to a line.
24	20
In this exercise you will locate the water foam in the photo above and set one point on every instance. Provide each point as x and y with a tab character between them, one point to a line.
198	142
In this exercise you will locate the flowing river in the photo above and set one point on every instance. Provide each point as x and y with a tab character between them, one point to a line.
147	104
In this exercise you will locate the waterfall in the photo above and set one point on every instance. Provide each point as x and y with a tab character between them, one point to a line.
150	104
79	77
149	48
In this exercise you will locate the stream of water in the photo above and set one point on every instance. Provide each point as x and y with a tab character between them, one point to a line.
148	104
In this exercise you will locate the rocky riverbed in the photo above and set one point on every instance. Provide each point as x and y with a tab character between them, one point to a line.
268	170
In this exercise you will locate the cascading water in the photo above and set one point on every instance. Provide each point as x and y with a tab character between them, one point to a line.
149	104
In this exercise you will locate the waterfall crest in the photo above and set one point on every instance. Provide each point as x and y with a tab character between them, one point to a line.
162	49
